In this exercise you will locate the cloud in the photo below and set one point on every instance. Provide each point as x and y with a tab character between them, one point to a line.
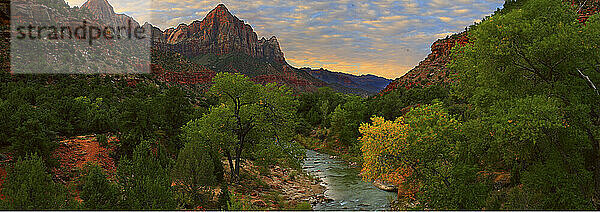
382	37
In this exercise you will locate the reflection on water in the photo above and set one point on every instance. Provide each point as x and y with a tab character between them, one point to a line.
344	185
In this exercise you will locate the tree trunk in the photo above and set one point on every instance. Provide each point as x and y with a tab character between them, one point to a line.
231	168
238	156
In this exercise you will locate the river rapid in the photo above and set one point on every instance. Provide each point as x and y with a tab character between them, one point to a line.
344	187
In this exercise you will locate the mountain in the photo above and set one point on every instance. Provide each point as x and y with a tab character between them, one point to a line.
433	69
223	43
220	33
189	54
362	85
103	11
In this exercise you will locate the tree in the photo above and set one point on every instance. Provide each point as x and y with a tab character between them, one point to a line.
97	191
29	187
145	180
251	117
418	152
346	119
31	137
174	111
137	123
198	168
533	112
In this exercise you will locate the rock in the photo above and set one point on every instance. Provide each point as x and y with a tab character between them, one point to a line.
386	186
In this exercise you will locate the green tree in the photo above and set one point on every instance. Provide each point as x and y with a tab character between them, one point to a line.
29	187
252	121
346	118
533	112
97	191
145	180
198	168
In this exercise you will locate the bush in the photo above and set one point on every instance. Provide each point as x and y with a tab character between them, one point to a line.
238	204
102	140
96	191
198	167
29	187
145	180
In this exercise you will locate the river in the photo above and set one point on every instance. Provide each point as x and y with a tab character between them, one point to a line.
344	186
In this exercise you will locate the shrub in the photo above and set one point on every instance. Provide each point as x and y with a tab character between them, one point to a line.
29	187
198	167
96	191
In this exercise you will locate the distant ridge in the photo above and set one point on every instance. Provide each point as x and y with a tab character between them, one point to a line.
363	85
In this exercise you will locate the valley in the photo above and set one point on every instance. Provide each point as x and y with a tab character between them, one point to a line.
207	115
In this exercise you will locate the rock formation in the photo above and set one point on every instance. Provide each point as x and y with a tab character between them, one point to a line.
219	33
433	69
103	11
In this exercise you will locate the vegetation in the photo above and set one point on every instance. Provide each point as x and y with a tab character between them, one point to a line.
519	130
29	187
252	121
97	191
531	117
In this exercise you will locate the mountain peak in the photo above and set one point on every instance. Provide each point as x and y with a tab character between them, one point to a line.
220	11
101	6
222	6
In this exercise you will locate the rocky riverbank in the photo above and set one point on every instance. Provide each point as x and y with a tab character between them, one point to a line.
278	188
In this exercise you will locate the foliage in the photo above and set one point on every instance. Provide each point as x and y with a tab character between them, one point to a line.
533	113
102	140
252	121
96	190
29	187
239	204
346	119
145	180
316	107
418	152
197	170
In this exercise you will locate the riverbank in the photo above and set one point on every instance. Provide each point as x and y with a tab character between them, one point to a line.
320	141
276	188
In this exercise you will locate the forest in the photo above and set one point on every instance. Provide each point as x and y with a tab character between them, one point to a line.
517	129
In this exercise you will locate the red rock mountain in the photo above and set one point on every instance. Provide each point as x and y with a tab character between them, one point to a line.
219	33
433	69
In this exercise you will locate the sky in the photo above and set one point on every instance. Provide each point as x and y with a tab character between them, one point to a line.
381	37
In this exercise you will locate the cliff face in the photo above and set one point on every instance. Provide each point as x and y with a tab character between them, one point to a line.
433	69
219	33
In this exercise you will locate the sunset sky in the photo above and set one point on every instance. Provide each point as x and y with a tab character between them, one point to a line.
382	37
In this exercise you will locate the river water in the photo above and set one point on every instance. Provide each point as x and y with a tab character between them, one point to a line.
344	186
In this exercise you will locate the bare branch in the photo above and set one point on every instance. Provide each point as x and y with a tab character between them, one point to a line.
589	81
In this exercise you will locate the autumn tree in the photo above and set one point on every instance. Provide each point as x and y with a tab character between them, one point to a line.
418	152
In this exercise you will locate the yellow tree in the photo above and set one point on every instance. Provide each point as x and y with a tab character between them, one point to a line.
415	152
